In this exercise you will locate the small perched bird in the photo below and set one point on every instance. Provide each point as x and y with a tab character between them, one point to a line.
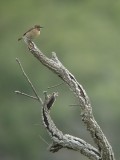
31	33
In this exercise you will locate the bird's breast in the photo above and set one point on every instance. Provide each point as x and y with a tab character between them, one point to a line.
33	34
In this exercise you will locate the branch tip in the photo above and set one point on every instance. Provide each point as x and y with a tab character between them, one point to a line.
53	54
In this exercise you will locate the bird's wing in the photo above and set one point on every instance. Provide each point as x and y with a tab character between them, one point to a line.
28	31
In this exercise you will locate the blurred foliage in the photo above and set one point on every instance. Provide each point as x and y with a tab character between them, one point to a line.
86	37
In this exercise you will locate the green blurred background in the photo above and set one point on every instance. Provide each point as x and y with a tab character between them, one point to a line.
86	37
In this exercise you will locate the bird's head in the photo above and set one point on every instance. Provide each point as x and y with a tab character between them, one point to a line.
38	27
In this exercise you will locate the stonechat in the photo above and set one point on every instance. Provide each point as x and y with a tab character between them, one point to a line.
31	33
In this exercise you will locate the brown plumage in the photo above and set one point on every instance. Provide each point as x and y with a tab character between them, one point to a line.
31	33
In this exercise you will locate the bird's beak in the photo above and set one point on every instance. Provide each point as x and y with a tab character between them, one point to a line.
41	27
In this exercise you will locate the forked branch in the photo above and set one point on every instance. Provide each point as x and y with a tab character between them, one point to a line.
104	150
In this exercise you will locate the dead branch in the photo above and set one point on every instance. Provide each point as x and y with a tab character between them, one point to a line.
104	150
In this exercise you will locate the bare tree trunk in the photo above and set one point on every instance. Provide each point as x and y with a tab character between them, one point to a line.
103	150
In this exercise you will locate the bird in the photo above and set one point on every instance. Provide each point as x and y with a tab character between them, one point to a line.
32	33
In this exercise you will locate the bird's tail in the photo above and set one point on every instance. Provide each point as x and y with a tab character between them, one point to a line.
19	38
